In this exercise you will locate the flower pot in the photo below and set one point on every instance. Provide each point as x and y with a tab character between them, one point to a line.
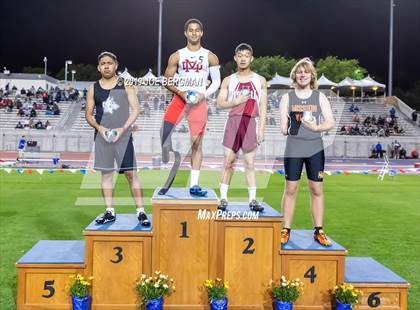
282	305
218	304
155	304
80	303
341	306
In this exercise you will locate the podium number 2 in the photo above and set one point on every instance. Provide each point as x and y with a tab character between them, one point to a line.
310	274
373	300
184	230
248	249
118	254
48	286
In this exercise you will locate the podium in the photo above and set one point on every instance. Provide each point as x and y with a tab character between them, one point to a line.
43	274
117	253
320	268
191	241
248	255
184	245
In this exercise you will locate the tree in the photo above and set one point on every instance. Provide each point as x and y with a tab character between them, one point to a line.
268	66
337	69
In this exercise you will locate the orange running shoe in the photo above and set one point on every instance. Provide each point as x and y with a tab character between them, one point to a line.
284	236
321	238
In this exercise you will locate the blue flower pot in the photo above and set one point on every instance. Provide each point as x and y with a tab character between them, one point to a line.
155	304
219	304
340	306
80	303
282	305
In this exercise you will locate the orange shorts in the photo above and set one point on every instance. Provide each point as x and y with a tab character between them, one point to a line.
196	115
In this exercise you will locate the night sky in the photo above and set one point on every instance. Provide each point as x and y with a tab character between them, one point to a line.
79	30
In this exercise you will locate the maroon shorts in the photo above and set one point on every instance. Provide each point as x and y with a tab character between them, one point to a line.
240	133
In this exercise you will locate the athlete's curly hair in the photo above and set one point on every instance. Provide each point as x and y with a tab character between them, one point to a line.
307	64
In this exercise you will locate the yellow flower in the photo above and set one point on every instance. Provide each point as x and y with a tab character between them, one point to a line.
226	284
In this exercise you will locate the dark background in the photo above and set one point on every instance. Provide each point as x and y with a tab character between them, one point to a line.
79	30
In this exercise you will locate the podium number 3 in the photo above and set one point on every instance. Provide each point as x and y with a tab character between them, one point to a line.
184	230
310	274
48	286
118	254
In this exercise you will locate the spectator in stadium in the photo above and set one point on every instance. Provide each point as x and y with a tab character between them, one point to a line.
47	125
21	112
84	93
414	115
356	118
33	112
392	113
19	125
343	130
403	153
21	147
414	154
378	149
56	109
396	146
38	125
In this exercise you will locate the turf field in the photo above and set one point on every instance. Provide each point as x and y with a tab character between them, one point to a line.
368	217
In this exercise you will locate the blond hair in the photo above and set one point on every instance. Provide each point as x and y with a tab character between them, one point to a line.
308	65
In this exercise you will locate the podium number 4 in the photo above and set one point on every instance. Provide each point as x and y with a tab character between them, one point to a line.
48	286
310	274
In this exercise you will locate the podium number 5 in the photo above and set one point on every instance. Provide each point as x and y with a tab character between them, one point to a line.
118	254
184	230
48	286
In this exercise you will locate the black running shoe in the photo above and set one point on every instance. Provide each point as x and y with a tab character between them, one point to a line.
255	206
106	218
223	205
142	217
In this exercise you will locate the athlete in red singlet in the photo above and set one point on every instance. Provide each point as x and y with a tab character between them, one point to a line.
245	94
193	64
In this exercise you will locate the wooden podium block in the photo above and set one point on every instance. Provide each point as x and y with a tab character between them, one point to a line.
382	288
183	245
247	252
44	271
117	253
320	268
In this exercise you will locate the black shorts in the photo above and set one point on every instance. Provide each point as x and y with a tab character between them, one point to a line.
119	156
314	167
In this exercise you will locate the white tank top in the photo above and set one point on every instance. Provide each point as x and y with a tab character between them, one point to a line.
193	69
253	87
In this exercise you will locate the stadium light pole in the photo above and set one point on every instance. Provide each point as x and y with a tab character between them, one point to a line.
391	44
68	62
159	60
73	73
45	65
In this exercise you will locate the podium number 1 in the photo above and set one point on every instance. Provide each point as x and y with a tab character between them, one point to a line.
48	286
184	230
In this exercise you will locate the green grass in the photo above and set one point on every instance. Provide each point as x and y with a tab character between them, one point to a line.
368	217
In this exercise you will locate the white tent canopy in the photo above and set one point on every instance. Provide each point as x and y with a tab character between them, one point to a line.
280	80
149	75
369	82
324	81
348	82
